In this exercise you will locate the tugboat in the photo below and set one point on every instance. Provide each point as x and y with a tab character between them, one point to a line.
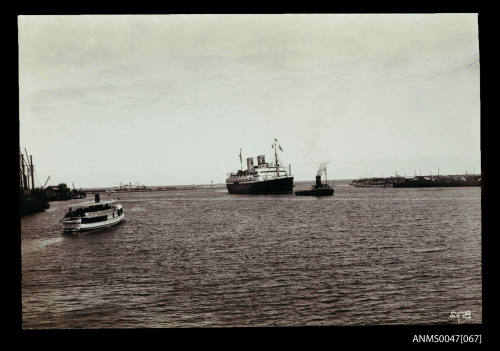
92	215
264	178
318	189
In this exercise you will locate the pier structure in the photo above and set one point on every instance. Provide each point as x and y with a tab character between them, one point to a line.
456	180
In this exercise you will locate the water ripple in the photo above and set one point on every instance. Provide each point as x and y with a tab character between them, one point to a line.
204	258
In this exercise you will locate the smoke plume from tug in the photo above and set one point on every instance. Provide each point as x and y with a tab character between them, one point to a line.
321	168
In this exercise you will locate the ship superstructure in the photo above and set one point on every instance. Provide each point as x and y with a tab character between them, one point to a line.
263	178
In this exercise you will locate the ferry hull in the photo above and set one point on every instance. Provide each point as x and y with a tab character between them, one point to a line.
273	186
75	226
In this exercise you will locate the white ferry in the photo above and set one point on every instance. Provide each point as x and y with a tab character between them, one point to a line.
92	215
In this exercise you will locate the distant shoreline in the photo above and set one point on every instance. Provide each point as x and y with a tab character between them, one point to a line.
193	186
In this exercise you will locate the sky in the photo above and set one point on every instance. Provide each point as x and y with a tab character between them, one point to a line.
171	99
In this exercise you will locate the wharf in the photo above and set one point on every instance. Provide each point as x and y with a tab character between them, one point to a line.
420	181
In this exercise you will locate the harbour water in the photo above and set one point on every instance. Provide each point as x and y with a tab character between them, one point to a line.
205	258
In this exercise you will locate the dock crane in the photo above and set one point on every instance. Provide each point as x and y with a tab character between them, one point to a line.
46	182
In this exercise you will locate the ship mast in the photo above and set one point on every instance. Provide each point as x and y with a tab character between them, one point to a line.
241	162
32	173
27	170
276	158
23	179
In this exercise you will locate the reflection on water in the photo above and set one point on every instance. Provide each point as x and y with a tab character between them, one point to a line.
38	244
206	258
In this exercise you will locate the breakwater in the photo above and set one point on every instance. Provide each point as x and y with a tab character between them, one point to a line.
459	180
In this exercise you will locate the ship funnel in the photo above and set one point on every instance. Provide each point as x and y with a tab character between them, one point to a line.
250	163
97	198
318	181
261	159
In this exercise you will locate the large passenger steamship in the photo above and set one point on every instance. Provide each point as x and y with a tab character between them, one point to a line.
265	178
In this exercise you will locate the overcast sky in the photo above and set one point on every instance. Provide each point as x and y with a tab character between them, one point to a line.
165	100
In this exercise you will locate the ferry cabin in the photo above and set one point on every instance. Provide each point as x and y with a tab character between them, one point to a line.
92	215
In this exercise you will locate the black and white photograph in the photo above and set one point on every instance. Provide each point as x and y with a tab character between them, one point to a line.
250	170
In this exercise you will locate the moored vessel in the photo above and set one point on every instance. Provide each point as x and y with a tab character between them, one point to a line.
92	215
127	188
264	178
31	199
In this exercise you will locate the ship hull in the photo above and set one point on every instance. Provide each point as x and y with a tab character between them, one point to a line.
77	226
32	204
315	192
273	186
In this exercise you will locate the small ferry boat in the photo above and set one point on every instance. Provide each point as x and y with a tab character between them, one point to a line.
92	215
